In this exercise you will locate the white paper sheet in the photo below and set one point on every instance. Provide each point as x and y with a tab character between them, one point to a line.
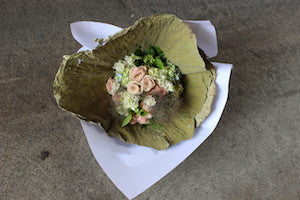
133	168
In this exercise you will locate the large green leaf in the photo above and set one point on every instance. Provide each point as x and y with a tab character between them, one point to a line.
79	86
168	32
137	134
197	88
80	89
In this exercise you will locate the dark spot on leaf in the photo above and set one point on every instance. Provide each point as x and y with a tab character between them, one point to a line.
44	155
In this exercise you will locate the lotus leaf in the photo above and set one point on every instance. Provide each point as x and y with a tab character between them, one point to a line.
79	85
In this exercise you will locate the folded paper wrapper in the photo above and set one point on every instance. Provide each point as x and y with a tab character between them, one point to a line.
133	168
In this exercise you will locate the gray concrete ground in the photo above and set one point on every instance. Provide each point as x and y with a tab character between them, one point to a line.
252	154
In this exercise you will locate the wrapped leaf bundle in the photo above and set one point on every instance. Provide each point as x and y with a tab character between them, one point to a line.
124	85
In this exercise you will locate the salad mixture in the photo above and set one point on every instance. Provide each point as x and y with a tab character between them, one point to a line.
145	84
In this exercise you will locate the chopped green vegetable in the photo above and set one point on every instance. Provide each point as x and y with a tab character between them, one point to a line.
159	64
127	119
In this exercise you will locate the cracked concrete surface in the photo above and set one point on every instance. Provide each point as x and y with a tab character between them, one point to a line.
252	154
